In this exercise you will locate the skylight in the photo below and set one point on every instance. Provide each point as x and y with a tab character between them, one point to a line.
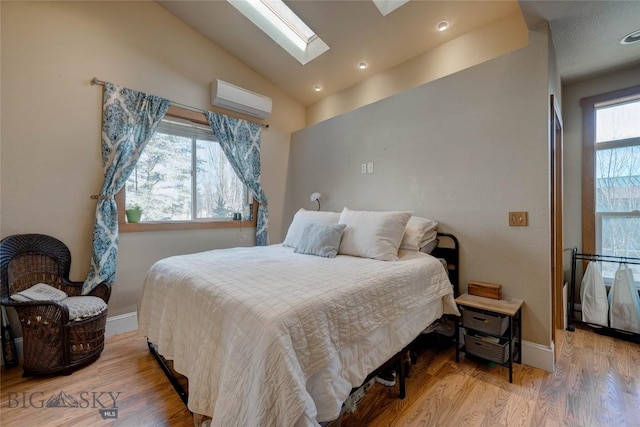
387	6
280	23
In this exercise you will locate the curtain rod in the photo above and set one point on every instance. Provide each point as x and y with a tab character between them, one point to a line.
95	81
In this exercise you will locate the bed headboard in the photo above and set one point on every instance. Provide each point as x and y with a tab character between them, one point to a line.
449	249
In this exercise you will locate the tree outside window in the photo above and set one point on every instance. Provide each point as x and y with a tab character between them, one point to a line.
183	175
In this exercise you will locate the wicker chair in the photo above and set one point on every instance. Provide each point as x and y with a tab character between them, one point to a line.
52	343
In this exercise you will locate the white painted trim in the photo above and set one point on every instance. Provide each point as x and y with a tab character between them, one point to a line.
122	323
538	356
115	325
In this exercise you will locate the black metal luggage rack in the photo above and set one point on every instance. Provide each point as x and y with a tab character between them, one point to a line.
575	256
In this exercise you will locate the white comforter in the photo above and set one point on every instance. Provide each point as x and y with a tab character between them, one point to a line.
249	326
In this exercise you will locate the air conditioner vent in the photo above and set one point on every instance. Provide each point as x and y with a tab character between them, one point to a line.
231	97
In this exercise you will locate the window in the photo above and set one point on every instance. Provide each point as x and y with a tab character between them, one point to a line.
184	178
614	142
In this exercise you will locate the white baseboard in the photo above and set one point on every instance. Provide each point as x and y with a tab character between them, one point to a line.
115	325
122	323
538	356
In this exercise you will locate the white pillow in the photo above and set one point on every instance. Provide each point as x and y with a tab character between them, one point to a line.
418	232
304	217
429	246
39	292
428	238
375	235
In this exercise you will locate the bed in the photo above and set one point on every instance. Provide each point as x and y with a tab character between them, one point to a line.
269	336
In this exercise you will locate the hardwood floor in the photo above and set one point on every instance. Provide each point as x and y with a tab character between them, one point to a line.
125	366
596	383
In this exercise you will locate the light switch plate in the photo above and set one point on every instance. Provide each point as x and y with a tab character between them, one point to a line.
363	168
370	167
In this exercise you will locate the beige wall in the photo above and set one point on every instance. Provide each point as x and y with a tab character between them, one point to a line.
50	133
572	115
464	150
485	43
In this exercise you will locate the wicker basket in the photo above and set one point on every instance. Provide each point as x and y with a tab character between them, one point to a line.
479	345
489	322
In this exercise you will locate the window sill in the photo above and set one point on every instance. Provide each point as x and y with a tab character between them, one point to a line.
126	227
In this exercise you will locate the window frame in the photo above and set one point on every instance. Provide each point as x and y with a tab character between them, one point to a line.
590	219
120	198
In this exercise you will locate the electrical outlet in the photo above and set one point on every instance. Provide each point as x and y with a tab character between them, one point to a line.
370	167
518	218
363	168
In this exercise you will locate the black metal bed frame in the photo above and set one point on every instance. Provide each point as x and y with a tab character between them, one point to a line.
451	254
571	319
184	396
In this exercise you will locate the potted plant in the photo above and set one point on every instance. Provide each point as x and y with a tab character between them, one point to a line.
133	213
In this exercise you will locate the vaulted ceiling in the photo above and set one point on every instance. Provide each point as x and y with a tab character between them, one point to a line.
586	36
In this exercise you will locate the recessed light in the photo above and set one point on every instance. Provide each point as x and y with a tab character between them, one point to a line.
362	65
317	88
442	25
631	38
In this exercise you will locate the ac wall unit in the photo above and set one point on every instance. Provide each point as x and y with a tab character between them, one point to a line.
234	98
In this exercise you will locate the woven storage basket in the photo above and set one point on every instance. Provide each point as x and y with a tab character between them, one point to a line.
496	352
492	323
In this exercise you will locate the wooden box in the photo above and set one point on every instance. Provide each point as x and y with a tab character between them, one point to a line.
487	290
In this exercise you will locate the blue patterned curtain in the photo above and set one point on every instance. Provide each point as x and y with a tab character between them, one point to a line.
240	141
129	119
